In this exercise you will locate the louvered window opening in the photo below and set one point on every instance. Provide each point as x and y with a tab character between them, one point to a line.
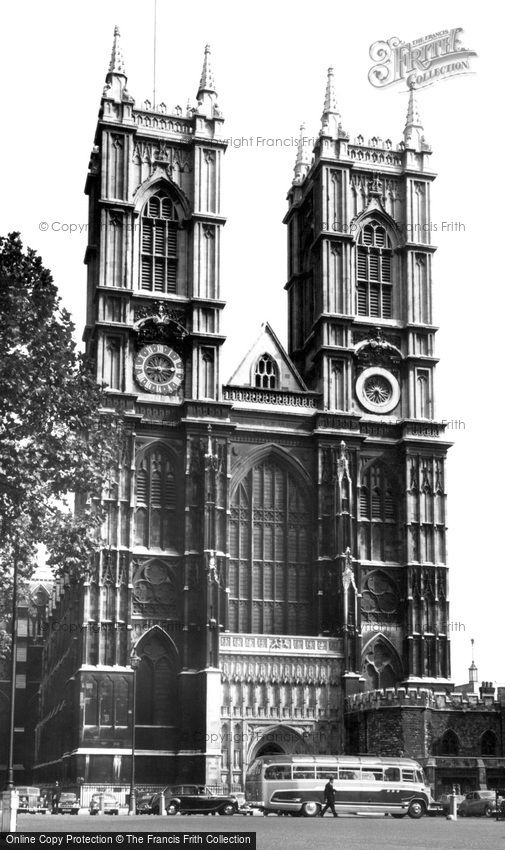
154	501
158	263
374	281
376	501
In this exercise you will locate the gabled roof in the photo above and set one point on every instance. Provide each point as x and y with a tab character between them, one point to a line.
268	343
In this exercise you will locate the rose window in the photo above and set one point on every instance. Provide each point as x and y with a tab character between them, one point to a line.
377	389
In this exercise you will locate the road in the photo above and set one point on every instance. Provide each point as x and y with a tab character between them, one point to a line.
274	833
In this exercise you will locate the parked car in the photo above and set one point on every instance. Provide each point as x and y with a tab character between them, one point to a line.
243	807
480	803
195	799
68	804
31	800
144	802
434	808
110	805
445	802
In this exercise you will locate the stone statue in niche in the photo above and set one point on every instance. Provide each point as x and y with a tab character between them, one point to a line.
348	573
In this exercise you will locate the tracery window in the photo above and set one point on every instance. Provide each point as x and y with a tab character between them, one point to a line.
155	500
270	579
449	744
106	701
374	272
158	260
266	373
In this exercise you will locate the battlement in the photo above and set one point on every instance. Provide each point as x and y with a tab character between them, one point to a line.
418	698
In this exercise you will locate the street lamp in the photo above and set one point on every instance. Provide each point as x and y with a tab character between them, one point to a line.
10	796
134	663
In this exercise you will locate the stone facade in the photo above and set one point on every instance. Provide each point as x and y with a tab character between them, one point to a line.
458	737
275	545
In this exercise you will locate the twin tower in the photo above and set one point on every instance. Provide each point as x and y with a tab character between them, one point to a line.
275	544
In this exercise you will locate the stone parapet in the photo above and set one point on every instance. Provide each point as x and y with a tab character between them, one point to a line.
418	697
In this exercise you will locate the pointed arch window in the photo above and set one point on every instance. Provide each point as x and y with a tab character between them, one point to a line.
270	533
374	272
158	245
157	698
155	501
488	743
266	374
449	744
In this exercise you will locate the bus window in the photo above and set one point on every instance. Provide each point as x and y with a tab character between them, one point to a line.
278	771
392	774
420	777
374	775
349	773
408	775
303	771
328	772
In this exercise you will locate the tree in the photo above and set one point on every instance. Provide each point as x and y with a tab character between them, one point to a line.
55	436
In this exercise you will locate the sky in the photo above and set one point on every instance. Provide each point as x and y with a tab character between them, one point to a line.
270	62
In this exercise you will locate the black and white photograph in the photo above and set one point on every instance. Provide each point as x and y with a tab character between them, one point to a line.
250	333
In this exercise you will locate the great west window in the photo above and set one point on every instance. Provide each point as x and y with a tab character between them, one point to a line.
270	579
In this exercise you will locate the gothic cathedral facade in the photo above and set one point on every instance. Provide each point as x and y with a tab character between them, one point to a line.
276	544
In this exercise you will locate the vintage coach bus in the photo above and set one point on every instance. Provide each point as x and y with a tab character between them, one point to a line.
363	784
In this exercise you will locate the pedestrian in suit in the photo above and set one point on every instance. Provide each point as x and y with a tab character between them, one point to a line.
329	798
55	799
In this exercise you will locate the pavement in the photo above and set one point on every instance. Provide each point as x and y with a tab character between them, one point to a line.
272	833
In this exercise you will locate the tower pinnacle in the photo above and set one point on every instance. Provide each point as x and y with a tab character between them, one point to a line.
207	79
303	157
116	75
413	132
116	65
207	95
330	119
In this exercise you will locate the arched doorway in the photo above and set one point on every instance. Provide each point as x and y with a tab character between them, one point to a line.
276	740
270	749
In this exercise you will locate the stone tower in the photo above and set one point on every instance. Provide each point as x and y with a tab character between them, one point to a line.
361	333
153	331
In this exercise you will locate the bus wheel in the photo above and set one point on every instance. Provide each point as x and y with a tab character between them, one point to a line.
310	809
416	809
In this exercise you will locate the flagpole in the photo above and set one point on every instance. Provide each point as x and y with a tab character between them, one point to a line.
154	55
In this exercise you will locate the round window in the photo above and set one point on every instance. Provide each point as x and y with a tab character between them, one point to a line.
378	390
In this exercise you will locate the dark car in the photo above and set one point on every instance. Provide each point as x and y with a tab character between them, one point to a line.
479	803
144	802
196	799
68	804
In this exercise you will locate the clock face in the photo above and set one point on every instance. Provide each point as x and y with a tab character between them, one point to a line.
158	369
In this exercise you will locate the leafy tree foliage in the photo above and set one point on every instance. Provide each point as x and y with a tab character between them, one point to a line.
55	437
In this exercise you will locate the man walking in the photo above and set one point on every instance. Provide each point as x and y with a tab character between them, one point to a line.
329	798
55	799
